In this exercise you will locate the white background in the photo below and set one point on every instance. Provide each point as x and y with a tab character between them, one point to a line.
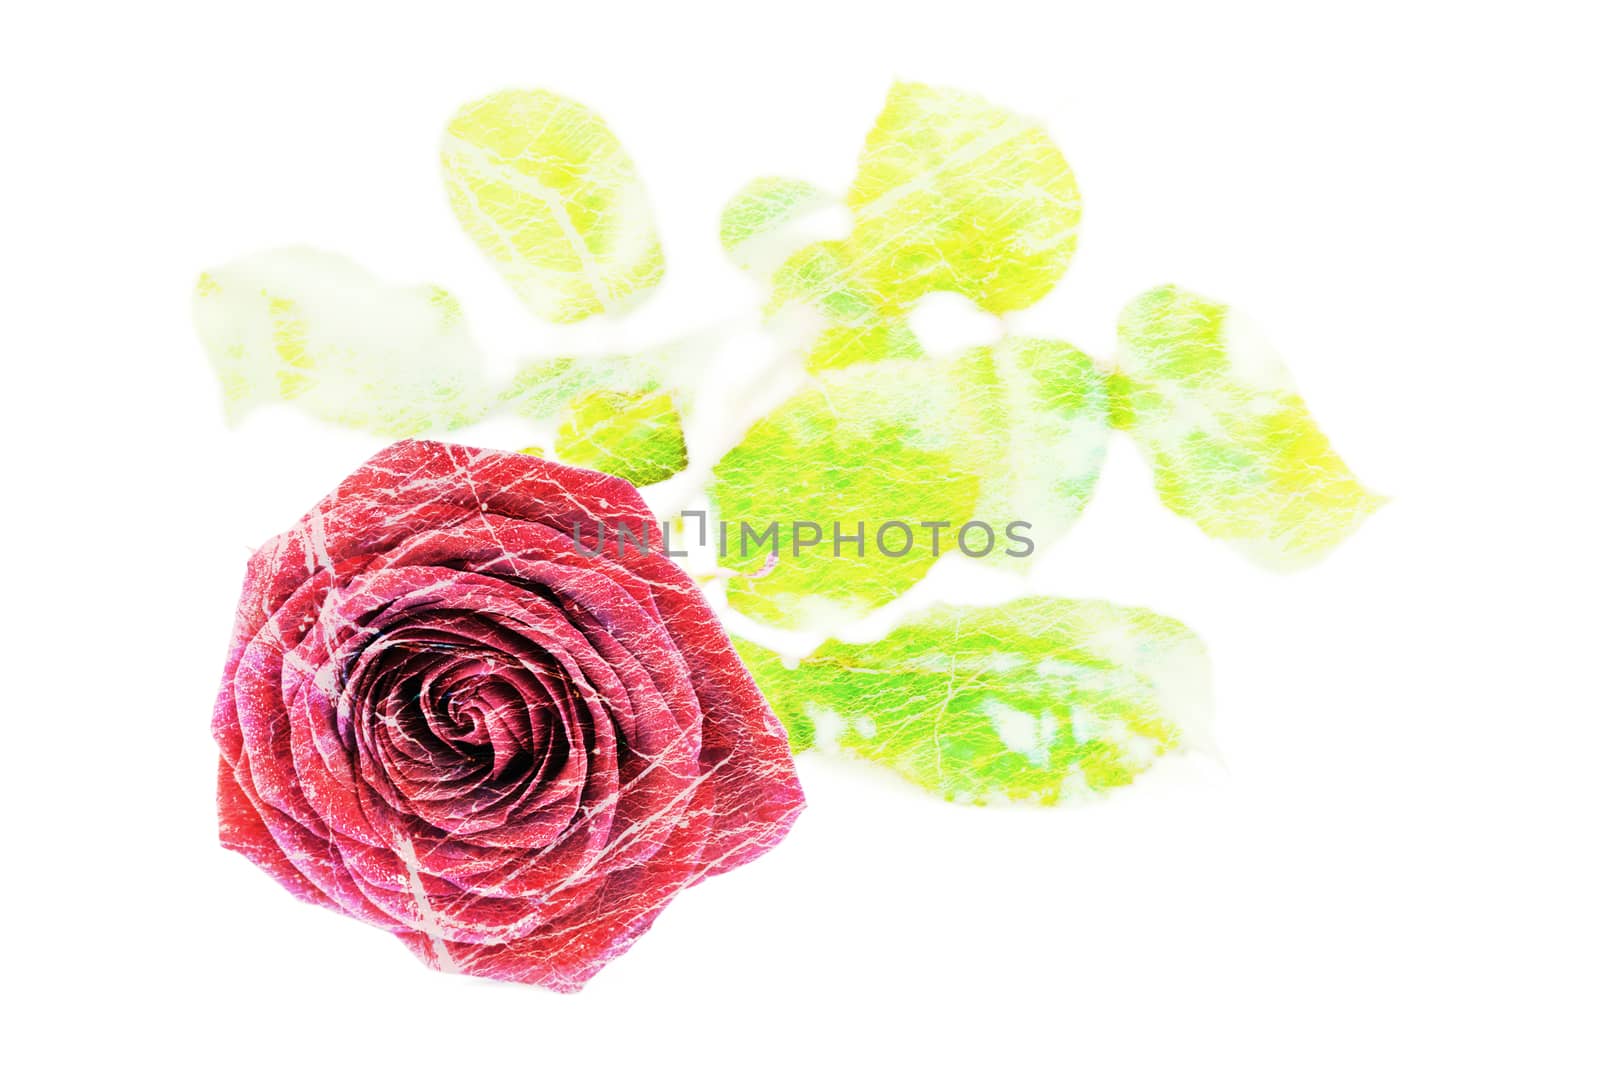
1392	864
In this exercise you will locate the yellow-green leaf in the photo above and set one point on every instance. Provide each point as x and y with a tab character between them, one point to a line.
1038	423
759	223
547	192
1037	700
954	193
848	327
876	451
1233	445
638	437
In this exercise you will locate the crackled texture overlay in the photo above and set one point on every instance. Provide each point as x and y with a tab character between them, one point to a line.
547	192
952	194
318	331
1034	700
634	436
440	717
875	444
1233	446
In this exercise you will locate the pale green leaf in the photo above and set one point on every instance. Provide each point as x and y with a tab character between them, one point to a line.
1038	423
547	192
952	194
318	331
1233	445
542	389
759	225
839	322
1034	700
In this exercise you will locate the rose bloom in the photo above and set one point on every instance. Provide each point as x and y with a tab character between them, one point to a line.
443	717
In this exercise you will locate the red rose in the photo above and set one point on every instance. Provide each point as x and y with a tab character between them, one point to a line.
441	717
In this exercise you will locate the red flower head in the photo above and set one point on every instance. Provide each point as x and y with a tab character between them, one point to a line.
443	717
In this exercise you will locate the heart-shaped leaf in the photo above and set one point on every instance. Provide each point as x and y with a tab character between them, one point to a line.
954	193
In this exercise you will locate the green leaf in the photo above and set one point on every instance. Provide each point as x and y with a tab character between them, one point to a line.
1039	421
638	437
871	445
1233	446
952	193
847	327
1000	447
547	192
956	194
318	331
758	224
1034	700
